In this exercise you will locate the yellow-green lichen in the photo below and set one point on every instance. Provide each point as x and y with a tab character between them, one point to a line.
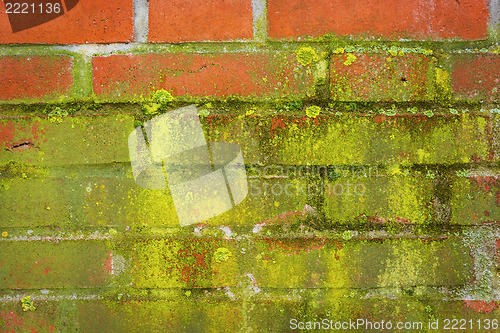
306	56
350	59
313	111
443	85
28	304
222	254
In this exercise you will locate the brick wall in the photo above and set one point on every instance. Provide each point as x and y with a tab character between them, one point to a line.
370	133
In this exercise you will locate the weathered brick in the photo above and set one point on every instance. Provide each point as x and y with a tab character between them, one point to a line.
380	19
476	76
195	75
32	202
112	198
182	315
195	21
269	202
347	312
65	140
475	200
14	319
184	263
398	198
118	201
35	78
373	140
301	263
321	263
61	264
79	22
381	77
246	131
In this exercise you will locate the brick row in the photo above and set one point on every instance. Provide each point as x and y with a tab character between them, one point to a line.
275	314
301	263
360	77
78	22
67	22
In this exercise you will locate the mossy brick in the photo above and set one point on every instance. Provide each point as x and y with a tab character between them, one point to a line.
387	20
279	311
35	78
127	77
43	319
183	263
348	309
118	201
269	202
32	202
247	132
371	140
374	263
475	200
395	198
50	141
54	264
187	314
197	21
381	77
475	76
74	22
333	310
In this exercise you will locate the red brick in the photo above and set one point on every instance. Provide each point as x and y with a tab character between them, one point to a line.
476	76
35	78
380	77
56	264
90	21
199	20
125	77
389	19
